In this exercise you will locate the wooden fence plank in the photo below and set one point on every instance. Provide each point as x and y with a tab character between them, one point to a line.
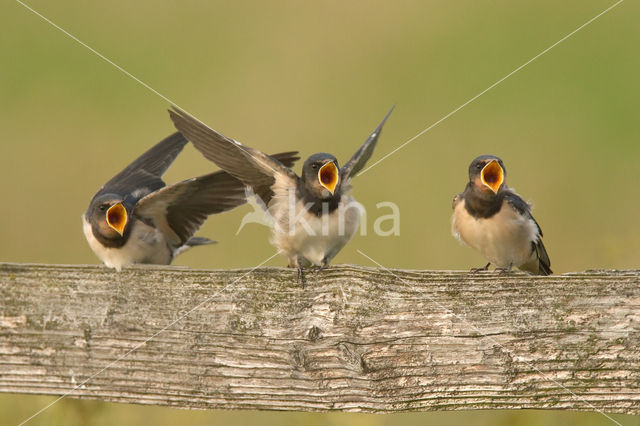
354	339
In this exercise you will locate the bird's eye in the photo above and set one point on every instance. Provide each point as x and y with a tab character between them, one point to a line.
103	207
478	166
314	166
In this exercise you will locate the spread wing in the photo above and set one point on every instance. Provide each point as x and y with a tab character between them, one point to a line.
179	210
251	166
144	174
523	208
362	155
288	159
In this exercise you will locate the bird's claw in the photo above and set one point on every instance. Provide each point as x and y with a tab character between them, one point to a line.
481	269
504	271
325	264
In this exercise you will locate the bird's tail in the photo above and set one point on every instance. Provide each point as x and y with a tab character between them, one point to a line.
193	242
198	241
544	264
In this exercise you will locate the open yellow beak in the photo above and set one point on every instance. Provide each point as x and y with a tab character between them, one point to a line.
328	176
492	176
117	218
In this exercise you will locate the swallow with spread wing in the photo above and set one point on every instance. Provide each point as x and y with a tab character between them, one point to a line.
135	218
313	215
490	217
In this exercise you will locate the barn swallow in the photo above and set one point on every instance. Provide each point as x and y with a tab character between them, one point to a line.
313	215
135	218
490	217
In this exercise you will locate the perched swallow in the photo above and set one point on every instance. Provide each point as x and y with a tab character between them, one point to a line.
313	215
490	217
135	218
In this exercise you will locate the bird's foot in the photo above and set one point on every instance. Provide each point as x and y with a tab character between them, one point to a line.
481	269
301	277
325	264
299	271
505	271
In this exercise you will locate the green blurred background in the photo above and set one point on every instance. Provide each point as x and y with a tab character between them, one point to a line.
319	76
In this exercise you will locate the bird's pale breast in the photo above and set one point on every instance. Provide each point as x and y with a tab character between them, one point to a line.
504	239
145	245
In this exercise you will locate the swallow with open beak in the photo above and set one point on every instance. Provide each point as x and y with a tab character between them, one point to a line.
490	217
313	215
135	218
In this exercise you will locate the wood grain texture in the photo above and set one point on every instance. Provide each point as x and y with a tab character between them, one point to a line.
354	339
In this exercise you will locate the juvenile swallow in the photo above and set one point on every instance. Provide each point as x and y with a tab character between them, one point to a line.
313	215
490	217
135	218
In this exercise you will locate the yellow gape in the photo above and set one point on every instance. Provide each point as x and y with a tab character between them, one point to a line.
492	176
328	176
117	218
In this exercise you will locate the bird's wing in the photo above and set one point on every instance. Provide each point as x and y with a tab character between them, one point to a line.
251	166
523	208
145	173
544	266
288	159
362	155
179	210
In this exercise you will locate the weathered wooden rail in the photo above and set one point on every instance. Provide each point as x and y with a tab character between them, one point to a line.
354	339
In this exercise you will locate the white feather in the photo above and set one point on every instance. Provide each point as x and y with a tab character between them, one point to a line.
145	245
310	237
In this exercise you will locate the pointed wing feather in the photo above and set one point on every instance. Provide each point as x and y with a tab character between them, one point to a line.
143	175
362	155
179	210
544	265
146	171
157	159
288	159
251	166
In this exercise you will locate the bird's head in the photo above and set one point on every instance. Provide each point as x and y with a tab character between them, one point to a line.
108	216
487	173
321	175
